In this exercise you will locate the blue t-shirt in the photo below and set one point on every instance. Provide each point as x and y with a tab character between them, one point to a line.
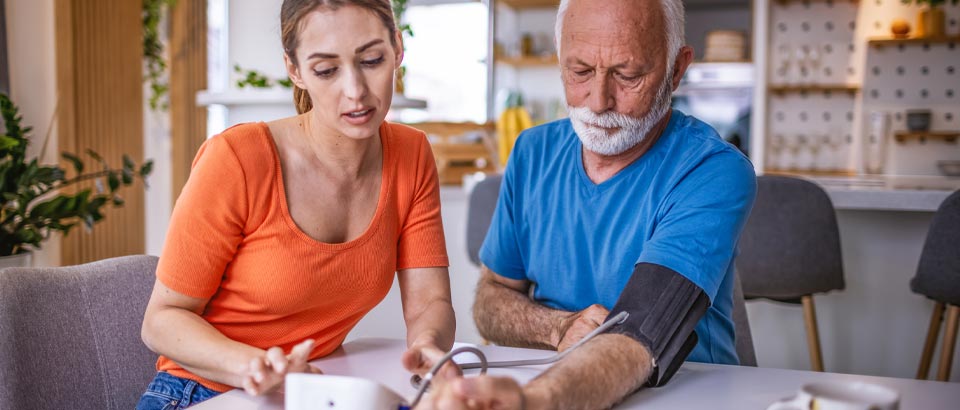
681	205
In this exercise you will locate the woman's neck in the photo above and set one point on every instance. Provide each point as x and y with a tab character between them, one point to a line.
340	155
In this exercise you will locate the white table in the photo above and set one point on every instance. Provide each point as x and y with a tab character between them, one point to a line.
695	386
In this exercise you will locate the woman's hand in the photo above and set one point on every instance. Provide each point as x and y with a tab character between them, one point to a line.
421	357
268	371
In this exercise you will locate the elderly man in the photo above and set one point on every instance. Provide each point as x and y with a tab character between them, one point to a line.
627	206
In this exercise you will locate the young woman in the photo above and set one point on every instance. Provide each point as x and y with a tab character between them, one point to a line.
288	232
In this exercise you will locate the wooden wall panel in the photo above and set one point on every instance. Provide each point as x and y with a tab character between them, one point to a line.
188	74
99	80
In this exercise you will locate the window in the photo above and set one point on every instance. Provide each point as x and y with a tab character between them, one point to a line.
445	60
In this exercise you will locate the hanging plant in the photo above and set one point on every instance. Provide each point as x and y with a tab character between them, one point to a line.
256	79
399	8
154	61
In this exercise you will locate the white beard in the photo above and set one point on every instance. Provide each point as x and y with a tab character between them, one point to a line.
589	126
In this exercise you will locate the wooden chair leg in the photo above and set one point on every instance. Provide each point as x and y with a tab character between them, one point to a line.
949	340
813	335
931	342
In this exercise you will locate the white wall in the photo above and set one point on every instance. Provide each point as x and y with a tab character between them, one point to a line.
158	198
386	320
254	39
33	85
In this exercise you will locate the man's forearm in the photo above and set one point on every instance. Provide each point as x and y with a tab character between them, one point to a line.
508	317
596	375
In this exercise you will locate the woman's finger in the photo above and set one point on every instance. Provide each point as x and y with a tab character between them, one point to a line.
299	356
257	369
302	350
249	386
277	360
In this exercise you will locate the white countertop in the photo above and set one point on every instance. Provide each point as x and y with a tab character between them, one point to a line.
888	192
695	386
864	193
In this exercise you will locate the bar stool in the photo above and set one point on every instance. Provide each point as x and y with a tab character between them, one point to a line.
790	249
938	278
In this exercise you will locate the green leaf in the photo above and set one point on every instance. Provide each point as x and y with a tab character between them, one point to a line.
50	208
96	157
127	176
128	162
29	235
118	201
113	181
146	169
75	160
8	142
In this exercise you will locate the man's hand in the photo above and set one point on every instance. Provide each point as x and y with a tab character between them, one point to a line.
268	371
474	393
577	325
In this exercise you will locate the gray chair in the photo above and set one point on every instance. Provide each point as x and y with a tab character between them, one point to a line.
938	278
790	249
743	336
70	336
482	203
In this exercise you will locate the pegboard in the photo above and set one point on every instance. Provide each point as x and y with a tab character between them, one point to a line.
903	76
813	43
813	50
818	45
810	131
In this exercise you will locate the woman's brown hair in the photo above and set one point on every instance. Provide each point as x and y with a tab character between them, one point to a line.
292	13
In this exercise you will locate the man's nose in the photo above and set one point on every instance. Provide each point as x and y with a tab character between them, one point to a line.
601	95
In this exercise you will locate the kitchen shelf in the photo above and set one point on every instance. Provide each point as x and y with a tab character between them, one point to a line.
811	89
279	96
948	136
530	4
889	41
551	61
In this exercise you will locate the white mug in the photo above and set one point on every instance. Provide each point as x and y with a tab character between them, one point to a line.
841	396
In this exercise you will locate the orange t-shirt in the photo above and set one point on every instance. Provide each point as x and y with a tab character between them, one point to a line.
232	239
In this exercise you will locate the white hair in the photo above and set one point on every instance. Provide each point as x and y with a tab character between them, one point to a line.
592	128
673	15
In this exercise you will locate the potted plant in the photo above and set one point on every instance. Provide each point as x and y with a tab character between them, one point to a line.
930	21
33	205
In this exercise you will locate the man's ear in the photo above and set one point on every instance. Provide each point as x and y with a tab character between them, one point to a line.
680	65
293	72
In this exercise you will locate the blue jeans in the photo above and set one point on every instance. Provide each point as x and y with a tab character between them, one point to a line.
168	392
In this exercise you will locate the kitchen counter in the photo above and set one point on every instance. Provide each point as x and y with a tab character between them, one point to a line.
887	192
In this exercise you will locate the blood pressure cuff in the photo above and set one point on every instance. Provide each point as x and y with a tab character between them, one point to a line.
664	307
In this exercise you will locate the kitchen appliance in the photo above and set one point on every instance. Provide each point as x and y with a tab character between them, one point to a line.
720	94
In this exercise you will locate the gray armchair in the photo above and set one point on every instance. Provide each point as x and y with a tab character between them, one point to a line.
70	336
